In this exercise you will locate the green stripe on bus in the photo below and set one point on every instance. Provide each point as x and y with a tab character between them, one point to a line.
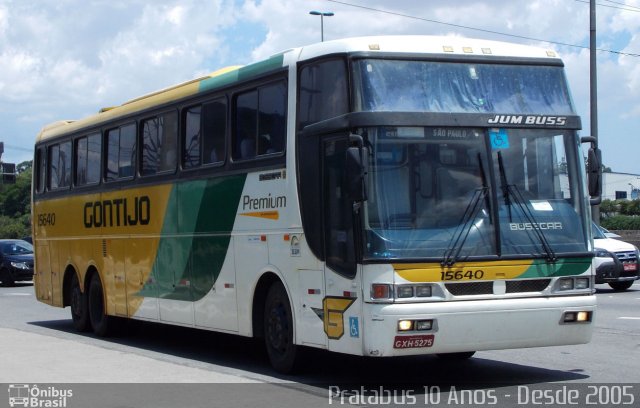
196	234
562	267
243	73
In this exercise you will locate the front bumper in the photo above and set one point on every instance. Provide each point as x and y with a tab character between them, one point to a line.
478	325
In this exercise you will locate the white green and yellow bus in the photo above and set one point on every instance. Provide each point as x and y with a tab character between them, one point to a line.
378	196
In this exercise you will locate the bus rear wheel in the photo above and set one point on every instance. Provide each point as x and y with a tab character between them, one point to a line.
278	330
79	306
100	321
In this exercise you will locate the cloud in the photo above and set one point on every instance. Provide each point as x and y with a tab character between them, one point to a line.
69	58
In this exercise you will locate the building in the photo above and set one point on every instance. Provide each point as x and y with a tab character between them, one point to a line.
620	186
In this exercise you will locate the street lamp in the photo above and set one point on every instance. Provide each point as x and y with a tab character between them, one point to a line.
322	15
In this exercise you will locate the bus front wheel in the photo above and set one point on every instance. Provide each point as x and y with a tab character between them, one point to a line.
79	306
278	330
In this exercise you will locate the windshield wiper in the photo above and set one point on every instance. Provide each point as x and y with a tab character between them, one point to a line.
463	229
511	190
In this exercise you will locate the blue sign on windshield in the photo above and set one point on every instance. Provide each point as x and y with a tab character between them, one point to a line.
499	138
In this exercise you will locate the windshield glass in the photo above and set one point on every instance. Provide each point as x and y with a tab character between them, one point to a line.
427	86
431	191
16	248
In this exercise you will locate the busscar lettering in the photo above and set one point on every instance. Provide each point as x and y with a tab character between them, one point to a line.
527	226
119	212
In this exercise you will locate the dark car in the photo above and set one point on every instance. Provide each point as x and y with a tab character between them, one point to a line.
16	261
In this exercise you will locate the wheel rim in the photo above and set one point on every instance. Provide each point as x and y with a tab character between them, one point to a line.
278	329
76	301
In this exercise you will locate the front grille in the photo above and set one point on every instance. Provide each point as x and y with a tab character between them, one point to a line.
533	285
470	288
486	287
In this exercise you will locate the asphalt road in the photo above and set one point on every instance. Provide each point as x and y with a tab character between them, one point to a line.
39	346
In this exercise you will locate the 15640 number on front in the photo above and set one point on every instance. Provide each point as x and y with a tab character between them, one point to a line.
462	275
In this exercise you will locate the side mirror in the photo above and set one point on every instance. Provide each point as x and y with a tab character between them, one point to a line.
356	173
594	170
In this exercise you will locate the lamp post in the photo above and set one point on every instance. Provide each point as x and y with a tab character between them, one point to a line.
322	15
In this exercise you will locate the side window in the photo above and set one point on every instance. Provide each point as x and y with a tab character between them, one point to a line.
214	127
121	143
40	170
159	144
87	159
260	119
323	92
191	136
60	166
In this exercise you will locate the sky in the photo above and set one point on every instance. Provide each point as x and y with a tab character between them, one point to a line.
66	59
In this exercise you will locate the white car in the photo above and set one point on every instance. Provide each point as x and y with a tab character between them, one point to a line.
616	261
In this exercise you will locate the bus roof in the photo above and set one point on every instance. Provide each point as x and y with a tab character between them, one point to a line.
419	44
225	76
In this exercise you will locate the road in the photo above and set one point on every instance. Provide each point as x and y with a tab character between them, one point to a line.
39	346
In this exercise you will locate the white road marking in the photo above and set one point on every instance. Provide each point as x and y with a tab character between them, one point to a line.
629	318
16	294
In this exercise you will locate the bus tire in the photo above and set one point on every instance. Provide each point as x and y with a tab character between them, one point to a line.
79	306
100	321
278	330
465	355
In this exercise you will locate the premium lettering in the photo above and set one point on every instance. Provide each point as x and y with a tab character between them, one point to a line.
263	203
119	212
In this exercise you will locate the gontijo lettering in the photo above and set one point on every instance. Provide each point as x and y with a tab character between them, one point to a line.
117	212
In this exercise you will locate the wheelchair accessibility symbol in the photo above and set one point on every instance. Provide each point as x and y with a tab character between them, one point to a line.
354	327
499	139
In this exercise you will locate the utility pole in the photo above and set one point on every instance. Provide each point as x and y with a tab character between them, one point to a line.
593	77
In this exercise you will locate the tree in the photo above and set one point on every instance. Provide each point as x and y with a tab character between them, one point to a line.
15	204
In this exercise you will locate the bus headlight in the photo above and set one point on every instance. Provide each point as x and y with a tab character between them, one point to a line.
415	325
577	317
583	283
577	283
423	325
405	291
423	291
565	284
386	292
405	325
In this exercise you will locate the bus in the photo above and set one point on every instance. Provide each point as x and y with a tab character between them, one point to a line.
375	196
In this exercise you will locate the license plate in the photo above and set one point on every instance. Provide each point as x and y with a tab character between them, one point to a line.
630	267
413	341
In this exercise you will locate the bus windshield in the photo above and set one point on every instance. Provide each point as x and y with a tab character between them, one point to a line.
433	190
427	86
